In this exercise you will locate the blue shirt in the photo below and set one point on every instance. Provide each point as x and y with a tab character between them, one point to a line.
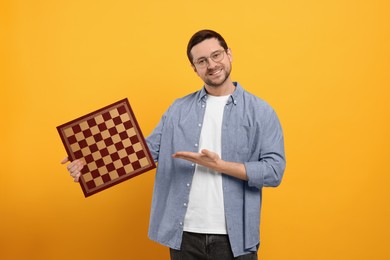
251	134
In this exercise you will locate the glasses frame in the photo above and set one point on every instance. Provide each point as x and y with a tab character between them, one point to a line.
206	59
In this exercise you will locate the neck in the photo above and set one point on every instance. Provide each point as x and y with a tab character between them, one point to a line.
225	89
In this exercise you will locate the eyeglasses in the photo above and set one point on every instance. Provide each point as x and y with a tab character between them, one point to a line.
216	56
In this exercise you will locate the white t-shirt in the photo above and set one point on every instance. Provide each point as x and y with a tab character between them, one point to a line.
205	213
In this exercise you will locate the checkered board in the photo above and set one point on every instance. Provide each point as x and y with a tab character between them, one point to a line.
110	143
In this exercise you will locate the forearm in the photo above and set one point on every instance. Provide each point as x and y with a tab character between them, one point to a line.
233	169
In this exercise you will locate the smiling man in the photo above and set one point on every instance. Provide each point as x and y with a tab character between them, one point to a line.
216	149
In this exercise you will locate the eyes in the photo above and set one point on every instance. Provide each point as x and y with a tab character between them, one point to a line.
216	56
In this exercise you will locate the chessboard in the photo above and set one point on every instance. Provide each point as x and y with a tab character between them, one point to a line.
110	143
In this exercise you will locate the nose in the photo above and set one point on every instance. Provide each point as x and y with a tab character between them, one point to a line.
211	63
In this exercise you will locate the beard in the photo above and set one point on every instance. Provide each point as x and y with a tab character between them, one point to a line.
217	82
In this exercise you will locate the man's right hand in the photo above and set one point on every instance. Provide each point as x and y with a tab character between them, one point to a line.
74	168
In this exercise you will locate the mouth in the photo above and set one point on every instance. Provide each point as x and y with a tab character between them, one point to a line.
215	72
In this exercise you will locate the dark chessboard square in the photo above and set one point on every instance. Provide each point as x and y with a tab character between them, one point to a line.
95	173
115	157
83	143
134	139
136	165
104	152
110	167
91	122
87	133
89	158
72	139
125	160
117	120
108	141
128	124
106	178
102	127
99	163
130	150
106	116
98	137
93	148
121	171
124	135
76	129
140	154
113	131
91	184
119	146
122	110
78	154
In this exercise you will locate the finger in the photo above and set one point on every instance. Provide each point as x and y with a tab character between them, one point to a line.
65	160
77	177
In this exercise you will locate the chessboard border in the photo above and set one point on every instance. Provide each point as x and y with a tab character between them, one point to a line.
126	102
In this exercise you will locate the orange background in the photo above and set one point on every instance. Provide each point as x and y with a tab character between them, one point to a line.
323	66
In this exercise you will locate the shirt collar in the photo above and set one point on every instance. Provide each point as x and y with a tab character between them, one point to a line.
232	99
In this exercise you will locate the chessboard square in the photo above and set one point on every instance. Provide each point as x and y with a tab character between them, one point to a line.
111	149
133	157
137	147
114	113
115	156
95	173
68	131
76	129
102	127
127	124
113	131
84	125
85	169
119	146
87	177
90	140
117	120
98	137
134	139
110	167
123	135
131	132
144	162
72	139
87	133
108	141
125	117
107	160
99	119
98	181
130	150
129	168
120	128
79	136
85	151
83	143
105	134
93	148
126	142
122	153
113	175
75	147
101	145
95	130
99	163
78	154
122	109
106	178
96	155
89	158
91	184
122	171
116	139
92	166
106	116
104	152
125	161
140	154
91	122
110	124
118	164
136	165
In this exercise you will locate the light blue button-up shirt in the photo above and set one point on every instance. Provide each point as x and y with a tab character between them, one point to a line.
251	134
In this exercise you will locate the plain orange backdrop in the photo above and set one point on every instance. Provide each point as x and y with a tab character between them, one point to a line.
323	65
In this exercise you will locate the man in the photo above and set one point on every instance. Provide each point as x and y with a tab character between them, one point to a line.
216	149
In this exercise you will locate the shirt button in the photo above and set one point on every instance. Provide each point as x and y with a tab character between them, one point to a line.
196	145
188	185
193	164
202	105
181	223
199	125
185	204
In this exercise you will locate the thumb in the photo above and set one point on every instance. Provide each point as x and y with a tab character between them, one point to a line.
65	160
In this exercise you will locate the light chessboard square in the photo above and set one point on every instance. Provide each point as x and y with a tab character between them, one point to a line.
110	143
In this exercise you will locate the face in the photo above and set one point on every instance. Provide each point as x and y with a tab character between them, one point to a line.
214	74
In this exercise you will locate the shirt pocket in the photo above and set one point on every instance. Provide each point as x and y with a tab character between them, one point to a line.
245	136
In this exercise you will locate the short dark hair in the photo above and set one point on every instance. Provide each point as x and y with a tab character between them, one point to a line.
200	37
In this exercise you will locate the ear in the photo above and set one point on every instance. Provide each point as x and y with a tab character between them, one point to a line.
229	54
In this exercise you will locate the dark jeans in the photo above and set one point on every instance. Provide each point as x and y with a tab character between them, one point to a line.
208	247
